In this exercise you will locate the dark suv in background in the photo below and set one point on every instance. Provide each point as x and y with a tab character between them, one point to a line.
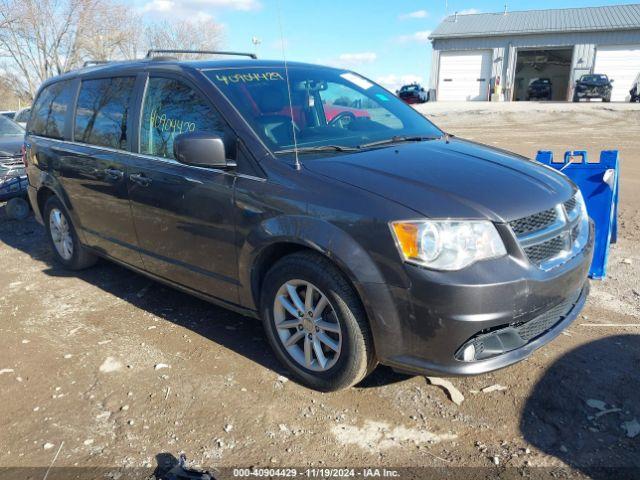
413	93
593	86
540	89
357	239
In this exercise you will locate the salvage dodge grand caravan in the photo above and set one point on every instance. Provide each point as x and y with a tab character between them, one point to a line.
312	198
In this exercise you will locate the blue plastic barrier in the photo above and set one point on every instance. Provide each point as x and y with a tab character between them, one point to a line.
598	182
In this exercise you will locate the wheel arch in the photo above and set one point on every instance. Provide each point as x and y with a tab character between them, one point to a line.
50	186
277	237
42	196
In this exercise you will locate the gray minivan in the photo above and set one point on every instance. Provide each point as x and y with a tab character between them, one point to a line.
314	199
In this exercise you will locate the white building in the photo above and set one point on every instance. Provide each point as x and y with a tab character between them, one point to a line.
473	52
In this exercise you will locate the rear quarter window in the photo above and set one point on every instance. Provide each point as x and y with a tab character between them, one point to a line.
102	111
50	110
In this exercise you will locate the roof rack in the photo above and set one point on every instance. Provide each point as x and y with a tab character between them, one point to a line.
89	63
151	52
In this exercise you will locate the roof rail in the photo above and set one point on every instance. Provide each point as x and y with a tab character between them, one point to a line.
88	63
151	52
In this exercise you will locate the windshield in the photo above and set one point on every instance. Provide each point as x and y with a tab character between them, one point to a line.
540	81
409	88
9	127
597	79
328	107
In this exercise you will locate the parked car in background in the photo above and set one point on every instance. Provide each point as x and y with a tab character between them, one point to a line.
8	113
539	89
381	239
413	93
11	141
22	116
13	179
347	114
594	85
634	93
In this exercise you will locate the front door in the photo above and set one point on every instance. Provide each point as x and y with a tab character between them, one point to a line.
183	214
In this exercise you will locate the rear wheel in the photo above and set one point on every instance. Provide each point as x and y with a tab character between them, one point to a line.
315	323
63	238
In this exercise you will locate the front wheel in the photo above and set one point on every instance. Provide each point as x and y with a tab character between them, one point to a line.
315	323
63	238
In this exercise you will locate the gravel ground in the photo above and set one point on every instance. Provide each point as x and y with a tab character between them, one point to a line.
106	368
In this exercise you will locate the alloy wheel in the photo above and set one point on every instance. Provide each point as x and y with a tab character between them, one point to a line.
61	234
307	325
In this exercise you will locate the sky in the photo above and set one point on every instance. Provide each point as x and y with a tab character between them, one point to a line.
385	40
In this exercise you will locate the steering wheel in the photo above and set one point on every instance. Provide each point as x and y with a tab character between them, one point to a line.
342	120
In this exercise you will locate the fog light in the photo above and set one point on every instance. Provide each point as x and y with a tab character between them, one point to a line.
469	353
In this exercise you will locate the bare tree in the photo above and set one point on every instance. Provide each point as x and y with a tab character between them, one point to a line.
110	32
43	38
184	35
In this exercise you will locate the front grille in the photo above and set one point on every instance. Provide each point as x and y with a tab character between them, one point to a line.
547	236
543	251
535	222
10	161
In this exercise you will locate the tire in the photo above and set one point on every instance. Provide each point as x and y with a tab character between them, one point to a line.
79	257
606	99
344	312
575	98
18	208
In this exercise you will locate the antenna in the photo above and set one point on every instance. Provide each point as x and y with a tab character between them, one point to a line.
286	74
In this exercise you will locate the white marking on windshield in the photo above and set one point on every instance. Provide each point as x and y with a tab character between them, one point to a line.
357	80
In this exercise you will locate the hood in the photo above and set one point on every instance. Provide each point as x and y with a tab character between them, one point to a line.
11	145
456	179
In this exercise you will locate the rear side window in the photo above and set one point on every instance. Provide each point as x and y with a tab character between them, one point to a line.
171	108
102	110
22	115
50	110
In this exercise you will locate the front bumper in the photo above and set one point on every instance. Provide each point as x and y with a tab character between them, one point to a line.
591	93
422	329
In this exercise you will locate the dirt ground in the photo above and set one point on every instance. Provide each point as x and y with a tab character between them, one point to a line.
108	369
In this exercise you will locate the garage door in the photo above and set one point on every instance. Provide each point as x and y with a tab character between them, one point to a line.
464	75
620	63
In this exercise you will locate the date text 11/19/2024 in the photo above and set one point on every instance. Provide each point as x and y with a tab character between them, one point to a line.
316	472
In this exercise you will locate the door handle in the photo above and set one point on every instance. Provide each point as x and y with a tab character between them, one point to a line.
114	174
140	179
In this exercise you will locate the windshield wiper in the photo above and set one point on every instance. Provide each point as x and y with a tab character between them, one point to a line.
318	148
398	139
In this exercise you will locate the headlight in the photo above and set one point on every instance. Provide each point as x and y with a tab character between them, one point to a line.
581	204
447	244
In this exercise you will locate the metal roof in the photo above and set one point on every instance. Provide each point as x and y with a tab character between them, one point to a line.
615	17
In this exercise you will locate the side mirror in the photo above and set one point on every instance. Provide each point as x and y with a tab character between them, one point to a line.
611	80
201	149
